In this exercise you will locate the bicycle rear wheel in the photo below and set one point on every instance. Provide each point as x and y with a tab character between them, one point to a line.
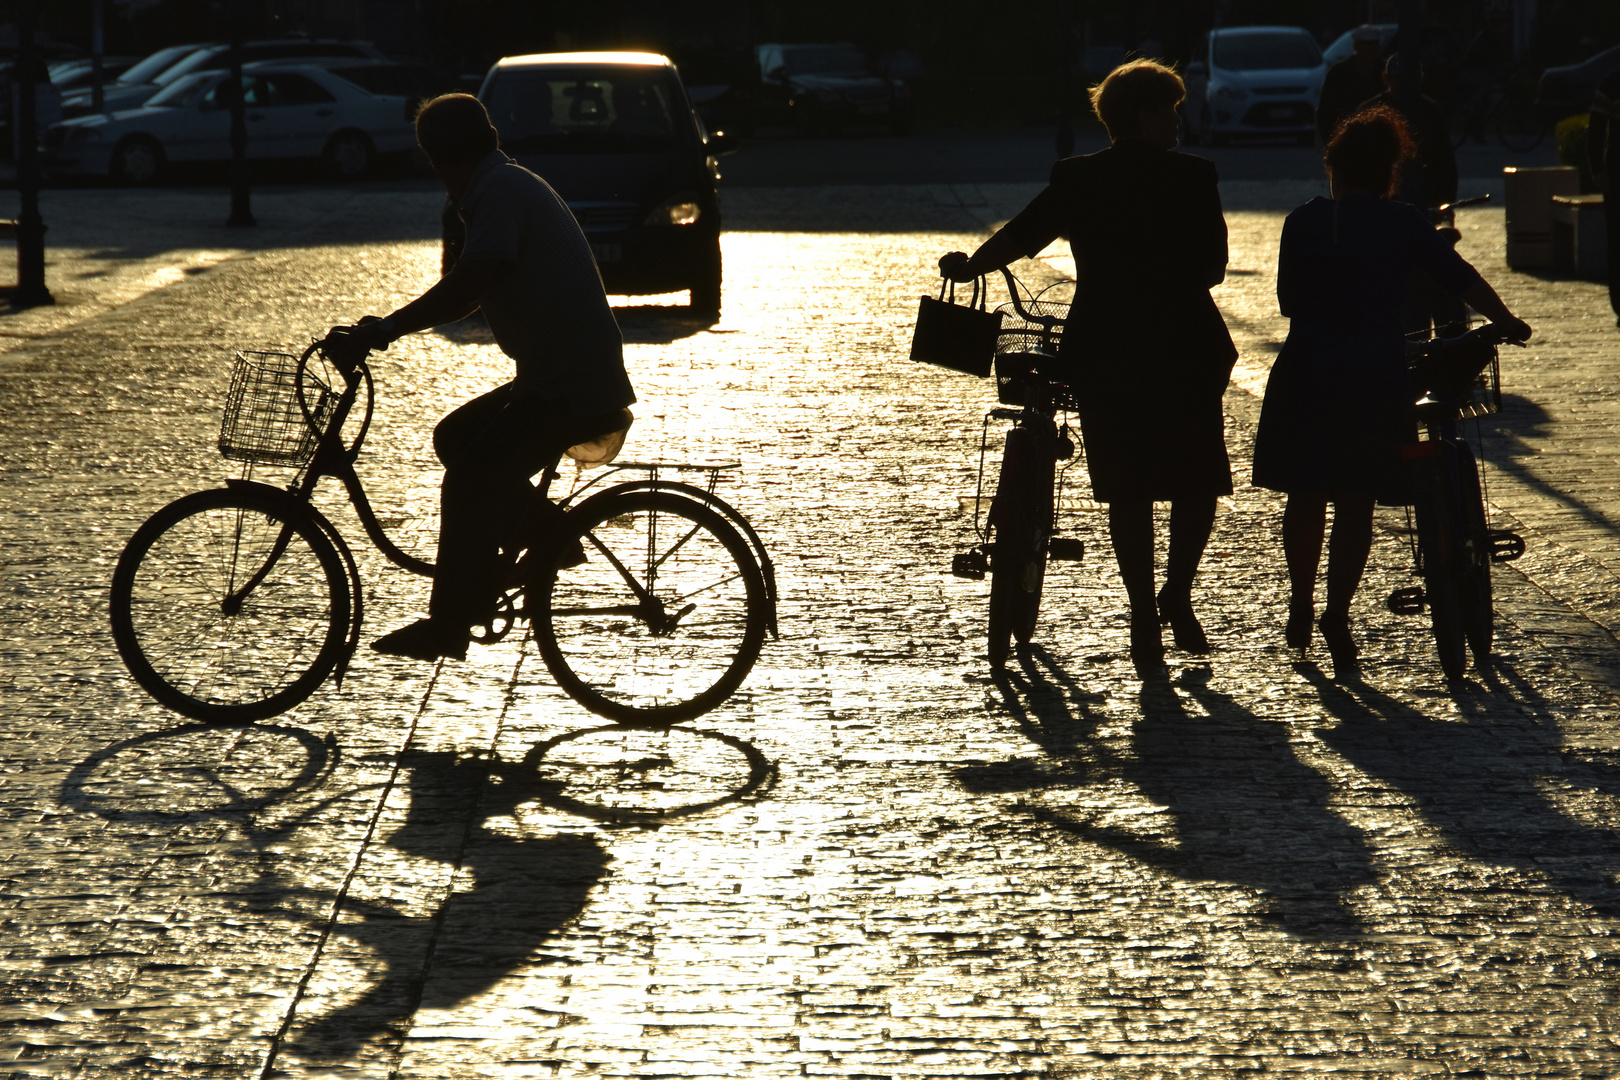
224	609
1440	534
664	618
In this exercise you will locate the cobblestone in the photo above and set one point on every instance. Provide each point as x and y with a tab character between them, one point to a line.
921	871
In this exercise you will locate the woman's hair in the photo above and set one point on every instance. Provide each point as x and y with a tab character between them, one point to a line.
1140	84
456	127
1369	149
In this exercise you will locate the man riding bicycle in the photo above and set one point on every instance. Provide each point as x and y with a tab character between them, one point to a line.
529	268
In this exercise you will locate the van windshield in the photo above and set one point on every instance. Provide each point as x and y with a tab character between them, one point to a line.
824	60
1263	52
563	110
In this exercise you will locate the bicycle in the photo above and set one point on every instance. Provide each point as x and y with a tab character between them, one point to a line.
235	604
1453	546
1500	108
1019	533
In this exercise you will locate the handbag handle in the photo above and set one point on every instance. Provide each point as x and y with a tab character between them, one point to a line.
981	291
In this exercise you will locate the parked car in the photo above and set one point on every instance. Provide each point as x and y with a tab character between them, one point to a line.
822	88
293	111
1567	90
410	79
211	57
615	135
71	75
1254	80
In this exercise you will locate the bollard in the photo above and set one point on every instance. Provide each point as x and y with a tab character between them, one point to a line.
1529	211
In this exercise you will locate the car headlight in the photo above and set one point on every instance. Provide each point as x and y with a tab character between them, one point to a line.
83	134
681	210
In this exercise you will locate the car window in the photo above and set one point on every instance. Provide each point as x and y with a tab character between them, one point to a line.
824	60
561	109
197	61
182	92
157	63
1262	52
285	88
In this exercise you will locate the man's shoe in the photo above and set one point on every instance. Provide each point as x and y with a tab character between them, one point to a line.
425	639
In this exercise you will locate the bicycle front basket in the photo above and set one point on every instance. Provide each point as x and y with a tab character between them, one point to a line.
262	421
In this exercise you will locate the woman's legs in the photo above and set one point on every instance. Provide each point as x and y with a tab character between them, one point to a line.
1304	525
1130	529
1191	522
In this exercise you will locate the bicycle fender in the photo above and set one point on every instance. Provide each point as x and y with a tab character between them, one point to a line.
733	517
292	507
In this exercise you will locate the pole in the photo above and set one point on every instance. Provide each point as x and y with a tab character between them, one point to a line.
1409	83
98	97
241	199
30	288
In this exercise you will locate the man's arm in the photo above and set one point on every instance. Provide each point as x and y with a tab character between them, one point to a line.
455	296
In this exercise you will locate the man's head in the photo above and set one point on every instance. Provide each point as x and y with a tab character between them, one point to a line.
1138	101
1392	71
454	131
1367	43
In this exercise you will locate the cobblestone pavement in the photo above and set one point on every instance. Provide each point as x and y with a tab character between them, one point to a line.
875	861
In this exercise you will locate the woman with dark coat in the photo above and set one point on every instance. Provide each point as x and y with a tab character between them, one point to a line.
1147	351
1338	404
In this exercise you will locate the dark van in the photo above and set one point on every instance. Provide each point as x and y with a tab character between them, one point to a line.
614	133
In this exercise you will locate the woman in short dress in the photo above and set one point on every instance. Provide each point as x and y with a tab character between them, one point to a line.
1338	404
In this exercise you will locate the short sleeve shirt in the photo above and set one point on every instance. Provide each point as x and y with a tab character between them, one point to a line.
550	313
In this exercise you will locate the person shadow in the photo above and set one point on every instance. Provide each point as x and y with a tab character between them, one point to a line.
1239	806
525	890
1481	778
1513	446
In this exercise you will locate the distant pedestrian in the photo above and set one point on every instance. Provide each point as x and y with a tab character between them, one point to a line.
1436	160
1339	402
1147	350
1603	147
1352	80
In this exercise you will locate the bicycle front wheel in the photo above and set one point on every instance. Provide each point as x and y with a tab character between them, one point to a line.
225	609
1519	127
1021	518
1440	535
1474	583
665	616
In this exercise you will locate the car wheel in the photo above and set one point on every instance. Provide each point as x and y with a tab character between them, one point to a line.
138	160
349	155
705	302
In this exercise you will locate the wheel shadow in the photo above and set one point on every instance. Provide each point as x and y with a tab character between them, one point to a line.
1481	778
1237	805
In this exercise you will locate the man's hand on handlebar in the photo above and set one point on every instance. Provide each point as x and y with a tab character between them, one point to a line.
347	346
953	265
1515	331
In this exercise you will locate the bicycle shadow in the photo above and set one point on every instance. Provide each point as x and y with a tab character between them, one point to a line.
1238	806
524	890
1475	779
1510	450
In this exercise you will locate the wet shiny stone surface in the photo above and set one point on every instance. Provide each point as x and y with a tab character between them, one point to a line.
875	860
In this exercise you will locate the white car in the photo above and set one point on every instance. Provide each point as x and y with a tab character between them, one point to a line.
1254	80
292	111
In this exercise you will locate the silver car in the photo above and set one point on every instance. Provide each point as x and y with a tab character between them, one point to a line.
1256	81
292	111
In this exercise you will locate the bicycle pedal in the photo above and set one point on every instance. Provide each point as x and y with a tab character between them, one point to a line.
1506	546
1066	549
970	564
1406	601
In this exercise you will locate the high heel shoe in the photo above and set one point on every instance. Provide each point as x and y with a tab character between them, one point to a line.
1184	626
1297	632
1147	646
1341	646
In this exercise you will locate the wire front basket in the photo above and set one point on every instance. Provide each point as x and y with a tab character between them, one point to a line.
263	422
1029	345
1467	373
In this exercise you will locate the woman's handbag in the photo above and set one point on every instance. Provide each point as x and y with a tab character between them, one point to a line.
961	337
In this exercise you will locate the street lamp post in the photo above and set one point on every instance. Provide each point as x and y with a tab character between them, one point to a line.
30	289
241	208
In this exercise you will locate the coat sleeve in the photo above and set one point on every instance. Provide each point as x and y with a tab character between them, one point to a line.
1437	258
1039	223
1207	229
1288	275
